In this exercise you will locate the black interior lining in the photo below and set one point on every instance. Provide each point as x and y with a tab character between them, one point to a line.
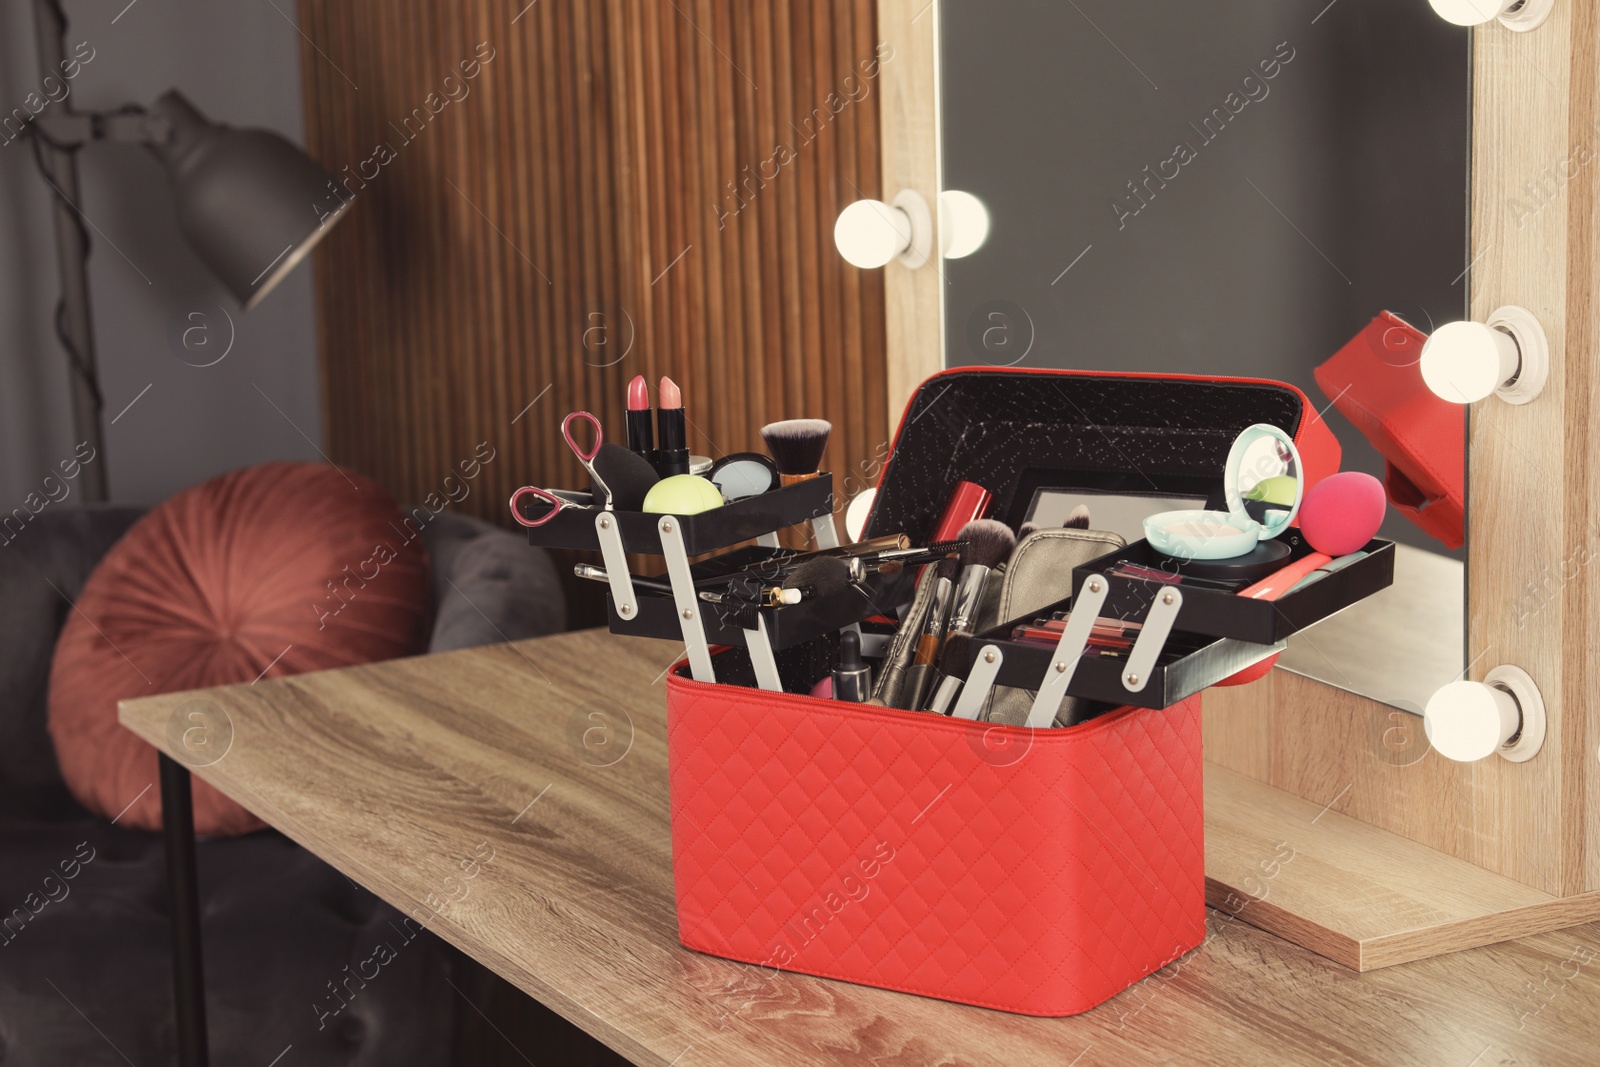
992	427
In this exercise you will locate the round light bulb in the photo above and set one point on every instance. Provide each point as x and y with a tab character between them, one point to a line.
1471	12
858	512
1463	362
869	233
1468	721
963	223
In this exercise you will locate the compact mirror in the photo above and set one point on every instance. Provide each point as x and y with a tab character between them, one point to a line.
743	474
1262	479
1262	485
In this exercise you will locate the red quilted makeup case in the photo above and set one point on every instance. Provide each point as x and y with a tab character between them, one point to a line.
1032	871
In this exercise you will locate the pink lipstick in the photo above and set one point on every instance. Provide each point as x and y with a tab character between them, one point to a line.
641	439
673	457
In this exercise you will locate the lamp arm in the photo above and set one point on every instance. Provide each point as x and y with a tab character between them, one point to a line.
74	325
64	128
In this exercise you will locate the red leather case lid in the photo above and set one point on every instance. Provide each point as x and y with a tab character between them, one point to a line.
1375	383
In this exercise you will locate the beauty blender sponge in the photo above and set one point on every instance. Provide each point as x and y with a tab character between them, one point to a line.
1341	513
628	475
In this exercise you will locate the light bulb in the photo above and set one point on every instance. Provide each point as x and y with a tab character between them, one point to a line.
1468	721
869	233
1463	362
963	223
1471	12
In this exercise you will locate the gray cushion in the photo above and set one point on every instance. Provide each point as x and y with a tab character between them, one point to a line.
42	570
489	585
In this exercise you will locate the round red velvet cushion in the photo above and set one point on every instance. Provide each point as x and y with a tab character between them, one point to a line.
272	570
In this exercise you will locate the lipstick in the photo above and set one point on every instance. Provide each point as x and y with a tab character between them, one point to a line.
641	439
673	456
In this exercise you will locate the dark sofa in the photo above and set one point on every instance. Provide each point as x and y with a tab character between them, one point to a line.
85	976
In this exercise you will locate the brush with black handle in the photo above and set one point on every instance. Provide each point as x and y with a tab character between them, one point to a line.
989	543
820	580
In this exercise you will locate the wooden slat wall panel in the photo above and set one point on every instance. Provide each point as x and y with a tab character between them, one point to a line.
583	175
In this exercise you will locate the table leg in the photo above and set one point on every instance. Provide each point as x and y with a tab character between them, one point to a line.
183	892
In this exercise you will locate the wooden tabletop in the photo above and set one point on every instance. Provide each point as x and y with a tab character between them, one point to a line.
514	799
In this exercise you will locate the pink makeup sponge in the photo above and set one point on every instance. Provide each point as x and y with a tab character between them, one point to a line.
1341	513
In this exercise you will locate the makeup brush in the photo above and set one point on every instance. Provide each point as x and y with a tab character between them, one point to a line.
817	578
1077	518
797	446
772	596
628	475
1027	528
989	544
924	665
598	574
895	561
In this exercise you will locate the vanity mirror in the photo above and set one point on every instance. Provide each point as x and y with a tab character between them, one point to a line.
1235	188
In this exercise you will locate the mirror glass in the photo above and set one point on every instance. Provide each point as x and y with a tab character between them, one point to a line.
1233	188
1264	472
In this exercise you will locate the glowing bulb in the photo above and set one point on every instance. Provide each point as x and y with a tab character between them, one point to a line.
1468	721
1463	362
1471	12
869	233
963	223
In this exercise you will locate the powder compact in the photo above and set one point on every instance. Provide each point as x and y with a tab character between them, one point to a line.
1262	485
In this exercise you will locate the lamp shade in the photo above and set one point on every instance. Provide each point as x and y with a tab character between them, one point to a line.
251	204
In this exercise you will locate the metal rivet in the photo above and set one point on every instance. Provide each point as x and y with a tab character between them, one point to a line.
605	523
666	527
625	610
1094	586
1167	598
1133	679
1061	668
688	613
988	657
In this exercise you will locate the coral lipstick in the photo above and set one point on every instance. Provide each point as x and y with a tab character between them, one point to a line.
641	439
673	456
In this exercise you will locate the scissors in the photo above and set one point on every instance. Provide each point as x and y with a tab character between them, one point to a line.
586	456
545	496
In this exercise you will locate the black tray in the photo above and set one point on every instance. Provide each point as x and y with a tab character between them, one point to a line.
728	525
787	626
1189	664
1219	614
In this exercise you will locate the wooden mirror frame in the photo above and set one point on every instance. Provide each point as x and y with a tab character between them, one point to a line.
1398	853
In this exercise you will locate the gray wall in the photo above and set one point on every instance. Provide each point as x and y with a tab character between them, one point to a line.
239	62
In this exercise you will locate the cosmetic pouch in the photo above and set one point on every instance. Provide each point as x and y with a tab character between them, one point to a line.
1031	871
1040	573
1374	382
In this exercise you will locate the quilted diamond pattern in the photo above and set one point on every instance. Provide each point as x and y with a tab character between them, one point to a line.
913	852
